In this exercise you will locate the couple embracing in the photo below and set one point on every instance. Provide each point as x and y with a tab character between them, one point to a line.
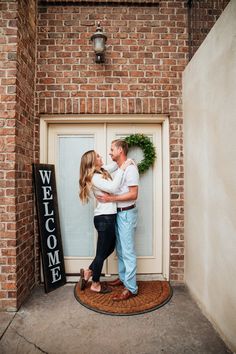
115	217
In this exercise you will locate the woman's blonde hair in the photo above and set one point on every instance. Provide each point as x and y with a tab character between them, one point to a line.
87	170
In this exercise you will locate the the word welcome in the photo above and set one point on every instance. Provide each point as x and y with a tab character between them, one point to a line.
49	227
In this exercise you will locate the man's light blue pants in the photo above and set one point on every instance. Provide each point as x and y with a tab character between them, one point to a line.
126	222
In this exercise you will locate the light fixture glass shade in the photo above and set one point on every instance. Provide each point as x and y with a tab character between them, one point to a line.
99	40
99	45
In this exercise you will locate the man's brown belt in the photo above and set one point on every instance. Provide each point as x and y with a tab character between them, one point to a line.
126	208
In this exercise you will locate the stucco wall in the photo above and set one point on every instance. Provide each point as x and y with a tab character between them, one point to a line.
210	169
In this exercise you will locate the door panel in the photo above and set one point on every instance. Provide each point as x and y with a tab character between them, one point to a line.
69	206
66	144
148	235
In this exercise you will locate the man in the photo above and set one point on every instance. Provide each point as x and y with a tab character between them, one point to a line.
125	222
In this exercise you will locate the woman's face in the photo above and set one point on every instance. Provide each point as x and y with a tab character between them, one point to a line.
99	161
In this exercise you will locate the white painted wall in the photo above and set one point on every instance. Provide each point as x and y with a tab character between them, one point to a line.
210	175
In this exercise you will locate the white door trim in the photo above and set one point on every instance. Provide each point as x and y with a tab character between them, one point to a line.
45	120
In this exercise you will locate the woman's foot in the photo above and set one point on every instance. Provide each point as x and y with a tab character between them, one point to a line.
101	288
87	274
96	286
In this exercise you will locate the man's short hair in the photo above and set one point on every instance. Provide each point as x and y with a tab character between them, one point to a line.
123	144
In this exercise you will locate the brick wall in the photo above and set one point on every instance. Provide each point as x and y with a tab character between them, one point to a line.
202	16
8	43
17	72
146	54
26	56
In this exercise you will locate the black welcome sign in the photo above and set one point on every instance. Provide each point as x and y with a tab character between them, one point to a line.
49	227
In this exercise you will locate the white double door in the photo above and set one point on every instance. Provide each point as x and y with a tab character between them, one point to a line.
66	144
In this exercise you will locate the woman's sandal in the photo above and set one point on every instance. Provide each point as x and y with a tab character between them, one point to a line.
104	289
82	281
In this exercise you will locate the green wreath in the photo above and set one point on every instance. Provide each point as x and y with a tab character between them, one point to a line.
143	142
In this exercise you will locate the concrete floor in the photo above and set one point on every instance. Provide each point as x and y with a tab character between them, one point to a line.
56	323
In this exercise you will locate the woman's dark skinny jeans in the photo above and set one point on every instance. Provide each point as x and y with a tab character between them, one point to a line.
105	226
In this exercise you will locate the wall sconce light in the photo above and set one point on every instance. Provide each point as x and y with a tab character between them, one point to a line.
99	40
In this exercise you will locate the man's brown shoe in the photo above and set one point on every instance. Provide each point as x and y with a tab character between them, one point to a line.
116	282
125	295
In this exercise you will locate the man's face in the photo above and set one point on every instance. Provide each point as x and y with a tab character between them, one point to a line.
115	152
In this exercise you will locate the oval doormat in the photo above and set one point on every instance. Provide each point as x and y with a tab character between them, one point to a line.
152	295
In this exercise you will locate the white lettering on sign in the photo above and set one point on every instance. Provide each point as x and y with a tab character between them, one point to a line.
53	258
46	211
56	276
45	175
49	243
47	224
47	192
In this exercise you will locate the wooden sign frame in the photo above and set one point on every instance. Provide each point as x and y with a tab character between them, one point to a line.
49	226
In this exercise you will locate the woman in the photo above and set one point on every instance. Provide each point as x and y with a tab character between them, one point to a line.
93	177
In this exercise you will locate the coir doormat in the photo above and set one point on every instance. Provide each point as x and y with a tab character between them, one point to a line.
152	295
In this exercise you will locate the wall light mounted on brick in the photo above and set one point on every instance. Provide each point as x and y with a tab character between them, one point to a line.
99	43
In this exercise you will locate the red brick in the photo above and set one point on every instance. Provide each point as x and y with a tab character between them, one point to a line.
3	295
9	286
